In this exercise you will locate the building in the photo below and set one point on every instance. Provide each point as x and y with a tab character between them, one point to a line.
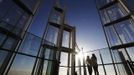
15	18
23	53
118	24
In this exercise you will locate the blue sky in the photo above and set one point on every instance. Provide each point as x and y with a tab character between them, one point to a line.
80	13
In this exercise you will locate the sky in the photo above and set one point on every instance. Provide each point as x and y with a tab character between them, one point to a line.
79	13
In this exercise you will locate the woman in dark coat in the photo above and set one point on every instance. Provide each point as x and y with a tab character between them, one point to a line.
94	64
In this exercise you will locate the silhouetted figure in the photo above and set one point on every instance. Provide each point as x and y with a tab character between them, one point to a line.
94	64
89	65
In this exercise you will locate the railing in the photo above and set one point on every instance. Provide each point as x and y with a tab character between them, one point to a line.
105	63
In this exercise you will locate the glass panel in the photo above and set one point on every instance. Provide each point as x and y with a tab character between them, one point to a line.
2	38
120	69
55	16
4	6
70	72
125	30
22	65
125	56
9	44
63	71
105	17
65	40
112	36
82	71
64	59
115	12
110	70
105	53
21	24
50	54
11	19
130	51
47	53
30	44
101	70
13	15
49	68
52	35
30	3
87	71
101	3
112	13
3	55
45	67
116	56
71	40
6	26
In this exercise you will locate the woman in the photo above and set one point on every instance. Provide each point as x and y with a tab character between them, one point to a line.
89	65
94	64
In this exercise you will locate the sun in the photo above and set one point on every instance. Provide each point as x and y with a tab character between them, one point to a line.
80	55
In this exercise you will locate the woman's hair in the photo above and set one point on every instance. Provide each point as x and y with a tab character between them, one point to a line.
93	55
87	57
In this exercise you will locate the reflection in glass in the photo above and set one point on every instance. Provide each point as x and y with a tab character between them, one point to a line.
45	67
3	55
105	17
116	56
51	54
112	36
110	69
21	24
22	65
125	55
120	69
30	44
115	12
55	17
106	56
49	68
63	71
64	59
65	40
13	18
13	15
125	30
52	34
9	44
112	13
2	38
47	53
130	51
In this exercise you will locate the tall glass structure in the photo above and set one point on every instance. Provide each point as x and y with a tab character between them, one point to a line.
118	23
59	45
15	18
24	53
